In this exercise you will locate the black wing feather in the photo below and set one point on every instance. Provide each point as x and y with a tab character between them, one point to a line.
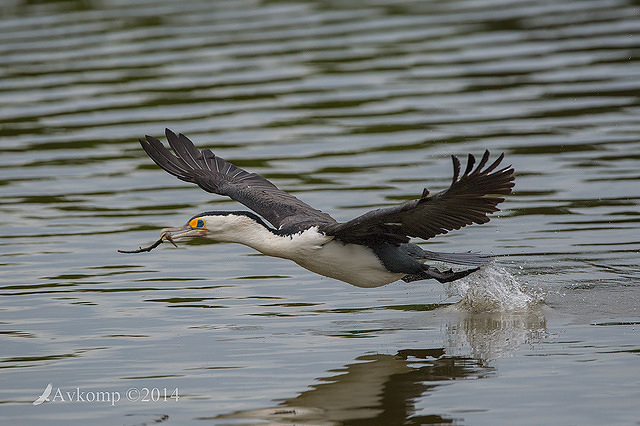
215	175
470	198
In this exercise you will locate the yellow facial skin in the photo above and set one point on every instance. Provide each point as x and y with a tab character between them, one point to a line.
197	223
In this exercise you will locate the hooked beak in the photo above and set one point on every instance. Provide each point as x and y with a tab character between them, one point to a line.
169	234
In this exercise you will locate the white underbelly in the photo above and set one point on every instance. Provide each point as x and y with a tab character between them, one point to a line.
351	263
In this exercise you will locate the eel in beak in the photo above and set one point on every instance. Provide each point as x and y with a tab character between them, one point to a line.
169	234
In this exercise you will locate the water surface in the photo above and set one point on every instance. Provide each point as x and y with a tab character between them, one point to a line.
350	106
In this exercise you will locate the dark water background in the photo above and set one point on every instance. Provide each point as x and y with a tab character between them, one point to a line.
349	105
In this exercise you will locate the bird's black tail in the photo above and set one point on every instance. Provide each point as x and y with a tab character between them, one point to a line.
467	258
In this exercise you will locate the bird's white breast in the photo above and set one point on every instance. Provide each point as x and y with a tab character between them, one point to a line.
351	263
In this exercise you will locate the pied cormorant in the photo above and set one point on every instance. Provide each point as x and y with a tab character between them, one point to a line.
369	251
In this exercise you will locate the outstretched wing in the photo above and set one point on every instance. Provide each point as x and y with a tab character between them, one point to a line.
214	174
468	200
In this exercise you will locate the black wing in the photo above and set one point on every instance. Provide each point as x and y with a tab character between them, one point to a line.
214	174
468	200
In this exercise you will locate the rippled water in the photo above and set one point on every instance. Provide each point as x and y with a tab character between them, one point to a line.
349	105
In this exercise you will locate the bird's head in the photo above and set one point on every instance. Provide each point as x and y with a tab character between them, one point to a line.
196	227
221	226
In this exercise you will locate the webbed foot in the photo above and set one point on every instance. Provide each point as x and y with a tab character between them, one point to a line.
441	276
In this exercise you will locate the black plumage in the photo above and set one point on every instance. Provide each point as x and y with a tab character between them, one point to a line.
215	175
469	199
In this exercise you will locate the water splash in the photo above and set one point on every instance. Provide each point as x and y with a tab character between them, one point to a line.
493	289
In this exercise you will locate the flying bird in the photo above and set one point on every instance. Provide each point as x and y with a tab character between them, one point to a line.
369	251
45	395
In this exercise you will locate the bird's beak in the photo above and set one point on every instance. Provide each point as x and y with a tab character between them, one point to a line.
169	234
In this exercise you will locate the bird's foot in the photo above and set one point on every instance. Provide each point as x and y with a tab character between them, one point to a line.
441	276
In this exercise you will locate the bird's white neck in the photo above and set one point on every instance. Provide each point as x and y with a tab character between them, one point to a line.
245	230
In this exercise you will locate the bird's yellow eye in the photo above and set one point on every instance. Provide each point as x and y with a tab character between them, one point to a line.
196	223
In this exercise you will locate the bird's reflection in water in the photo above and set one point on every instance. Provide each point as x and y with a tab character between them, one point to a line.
382	389
376	389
